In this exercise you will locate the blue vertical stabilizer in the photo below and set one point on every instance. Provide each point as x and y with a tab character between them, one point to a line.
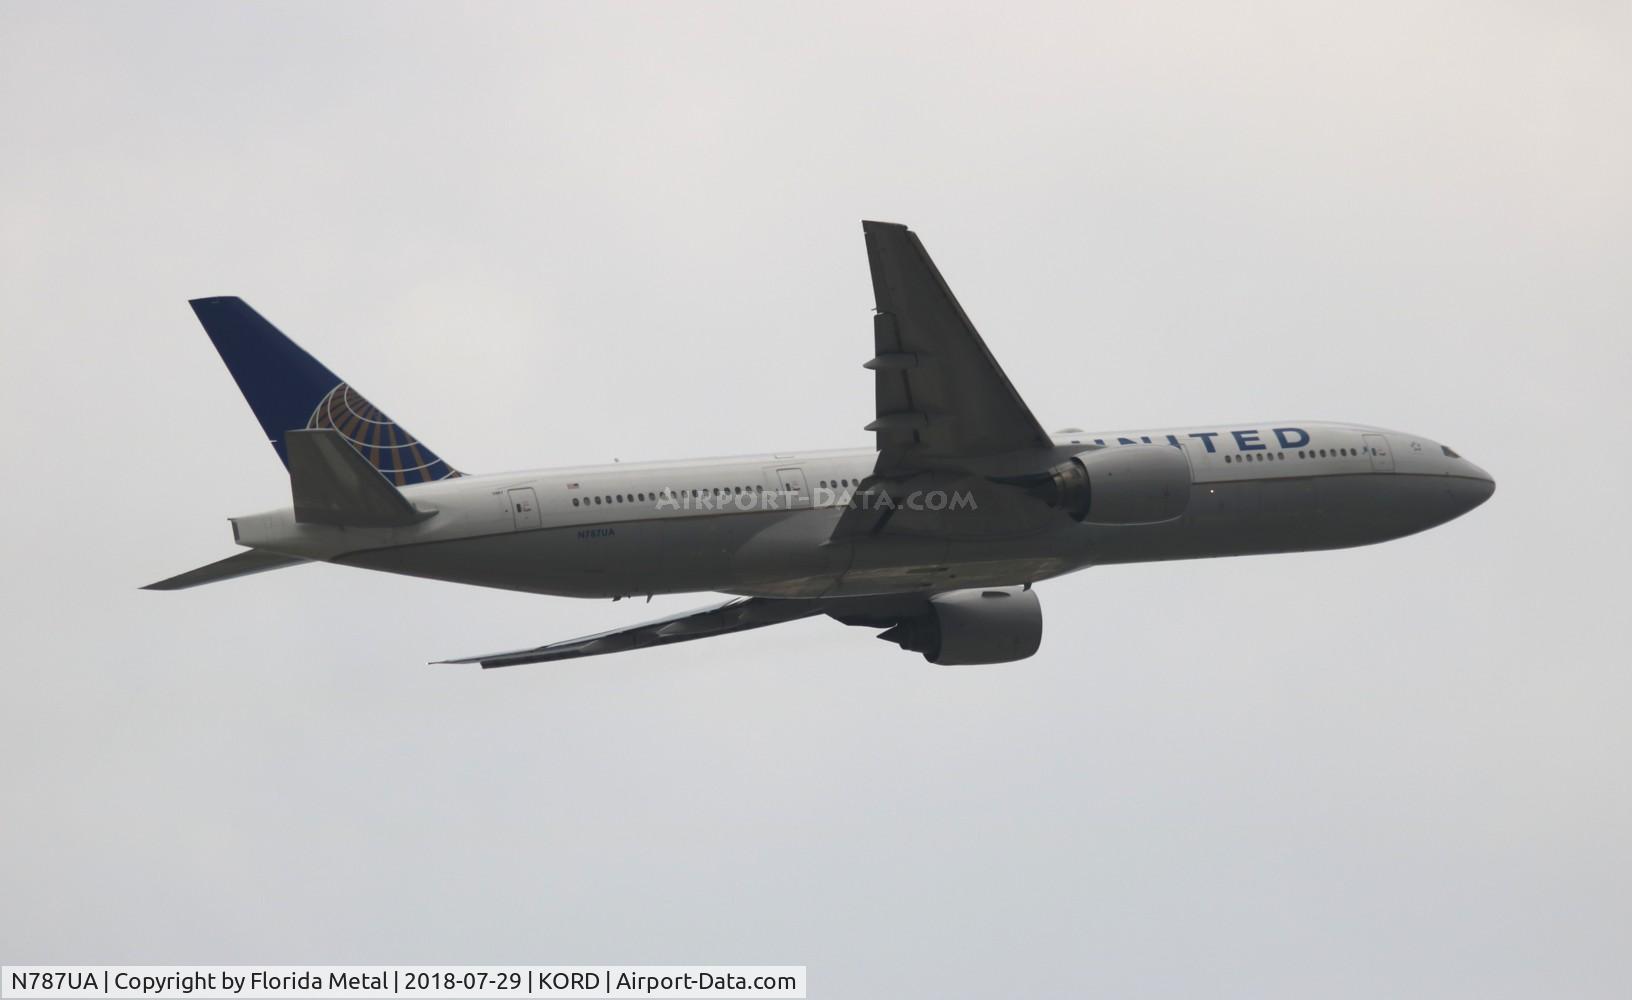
290	390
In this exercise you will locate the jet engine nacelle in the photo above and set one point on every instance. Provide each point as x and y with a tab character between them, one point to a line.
990	625
1125	484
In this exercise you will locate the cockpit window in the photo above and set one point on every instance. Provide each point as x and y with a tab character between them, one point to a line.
1448	452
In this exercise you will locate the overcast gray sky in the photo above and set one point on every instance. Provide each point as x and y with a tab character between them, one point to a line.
545	235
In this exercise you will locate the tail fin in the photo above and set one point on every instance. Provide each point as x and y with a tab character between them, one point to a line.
290	390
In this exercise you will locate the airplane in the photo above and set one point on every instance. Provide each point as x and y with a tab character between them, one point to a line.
935	537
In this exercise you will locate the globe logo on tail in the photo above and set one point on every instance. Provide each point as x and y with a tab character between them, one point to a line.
383	442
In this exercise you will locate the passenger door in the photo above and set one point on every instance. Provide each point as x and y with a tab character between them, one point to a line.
524	506
788	482
1382	460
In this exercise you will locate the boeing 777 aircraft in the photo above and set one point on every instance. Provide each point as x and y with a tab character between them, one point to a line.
935	536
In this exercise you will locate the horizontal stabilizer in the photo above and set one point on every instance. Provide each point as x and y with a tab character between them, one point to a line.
333	484
242	564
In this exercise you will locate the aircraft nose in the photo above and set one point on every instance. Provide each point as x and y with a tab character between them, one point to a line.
1474	490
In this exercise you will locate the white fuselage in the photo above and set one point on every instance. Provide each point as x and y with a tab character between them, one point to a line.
764	525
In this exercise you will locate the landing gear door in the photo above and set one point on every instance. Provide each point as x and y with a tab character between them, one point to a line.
1382	460
788	483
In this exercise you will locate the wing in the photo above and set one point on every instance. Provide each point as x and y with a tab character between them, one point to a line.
940	394
242	564
736	615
